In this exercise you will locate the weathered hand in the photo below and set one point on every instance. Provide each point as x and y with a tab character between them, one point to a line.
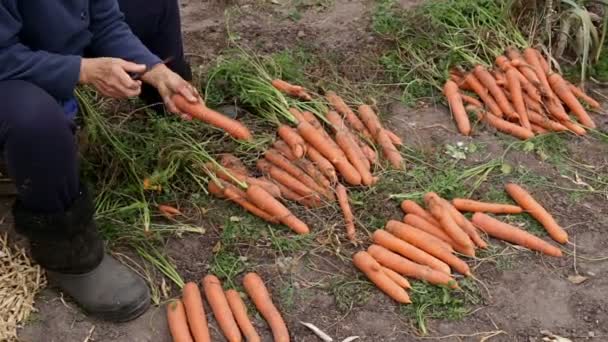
110	76
169	83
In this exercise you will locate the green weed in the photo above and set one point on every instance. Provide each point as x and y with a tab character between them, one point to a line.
349	293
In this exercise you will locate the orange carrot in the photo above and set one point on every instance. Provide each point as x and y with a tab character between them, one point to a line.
545	122
562	90
504	64
531	57
517	97
464	223
484	207
371	121
427	243
531	206
538	130
489	82
290	195
396	277
574	127
197	320
543	62
501	80
504	126
284	164
291	90
578	92
239	197
395	139
373	271
221	310
284	178
408	268
200	112
233	163
450	91
233	177
483	94
471	100
178	323
324	165
369	153
533	105
305	164
239	310
424	225
331	151
257	291
263	200
168	211
293	139
341	107
393	243
411	207
513	234
346	210
449	225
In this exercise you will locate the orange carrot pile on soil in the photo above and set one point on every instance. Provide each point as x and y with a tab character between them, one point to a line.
522	97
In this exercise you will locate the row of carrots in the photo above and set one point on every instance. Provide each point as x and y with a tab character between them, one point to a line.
188	321
426	244
307	164
522	96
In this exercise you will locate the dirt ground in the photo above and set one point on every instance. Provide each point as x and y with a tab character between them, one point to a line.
532	294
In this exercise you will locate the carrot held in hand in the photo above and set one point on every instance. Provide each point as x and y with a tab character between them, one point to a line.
346	210
257	291
408	268
517	97
193	302
507	232
178	323
454	98
293	139
484	207
562	90
411	207
397	278
393	243
291	90
530	205
201	112
269	204
239	310
373	271
214	293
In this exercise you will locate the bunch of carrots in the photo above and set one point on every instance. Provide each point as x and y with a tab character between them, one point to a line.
188	321
522	96
425	244
307	164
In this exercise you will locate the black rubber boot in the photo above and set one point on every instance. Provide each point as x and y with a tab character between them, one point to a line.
69	247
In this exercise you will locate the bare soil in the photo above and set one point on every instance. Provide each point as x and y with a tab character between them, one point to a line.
530	295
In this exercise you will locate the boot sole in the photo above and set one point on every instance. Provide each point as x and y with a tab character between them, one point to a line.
121	317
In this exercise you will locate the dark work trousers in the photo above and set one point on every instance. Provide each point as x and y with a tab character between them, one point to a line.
38	139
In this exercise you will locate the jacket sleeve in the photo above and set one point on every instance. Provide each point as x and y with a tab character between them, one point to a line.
112	37
57	74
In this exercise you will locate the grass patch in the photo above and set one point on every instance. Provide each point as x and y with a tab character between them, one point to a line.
349	292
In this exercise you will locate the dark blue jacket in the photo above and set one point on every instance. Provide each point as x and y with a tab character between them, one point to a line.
42	41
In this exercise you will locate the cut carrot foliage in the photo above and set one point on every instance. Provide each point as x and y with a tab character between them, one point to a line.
214	293
197	320
507	232
263	200
484	207
200	112
349	219
178	323
257	291
532	207
373	271
239	311
457	107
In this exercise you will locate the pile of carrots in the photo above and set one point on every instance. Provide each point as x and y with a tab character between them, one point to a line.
188	321
307	163
522	96
426	245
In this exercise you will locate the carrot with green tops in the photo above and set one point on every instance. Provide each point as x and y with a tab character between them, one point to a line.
396	277
393	243
373	271
507	232
483	94
276	158
293	140
578	92
517	97
195	312
201	112
485	207
214	293
239	311
532	207
449	225
454	98
562	90
263	200
169	211
488	81
341	107
427	243
411	207
371	121
178	323
291	90
409	268
257	291
347	212
503	125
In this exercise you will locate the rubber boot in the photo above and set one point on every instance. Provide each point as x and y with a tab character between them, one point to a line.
68	246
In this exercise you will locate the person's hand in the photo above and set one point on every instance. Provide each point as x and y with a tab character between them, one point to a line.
110	76
169	83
